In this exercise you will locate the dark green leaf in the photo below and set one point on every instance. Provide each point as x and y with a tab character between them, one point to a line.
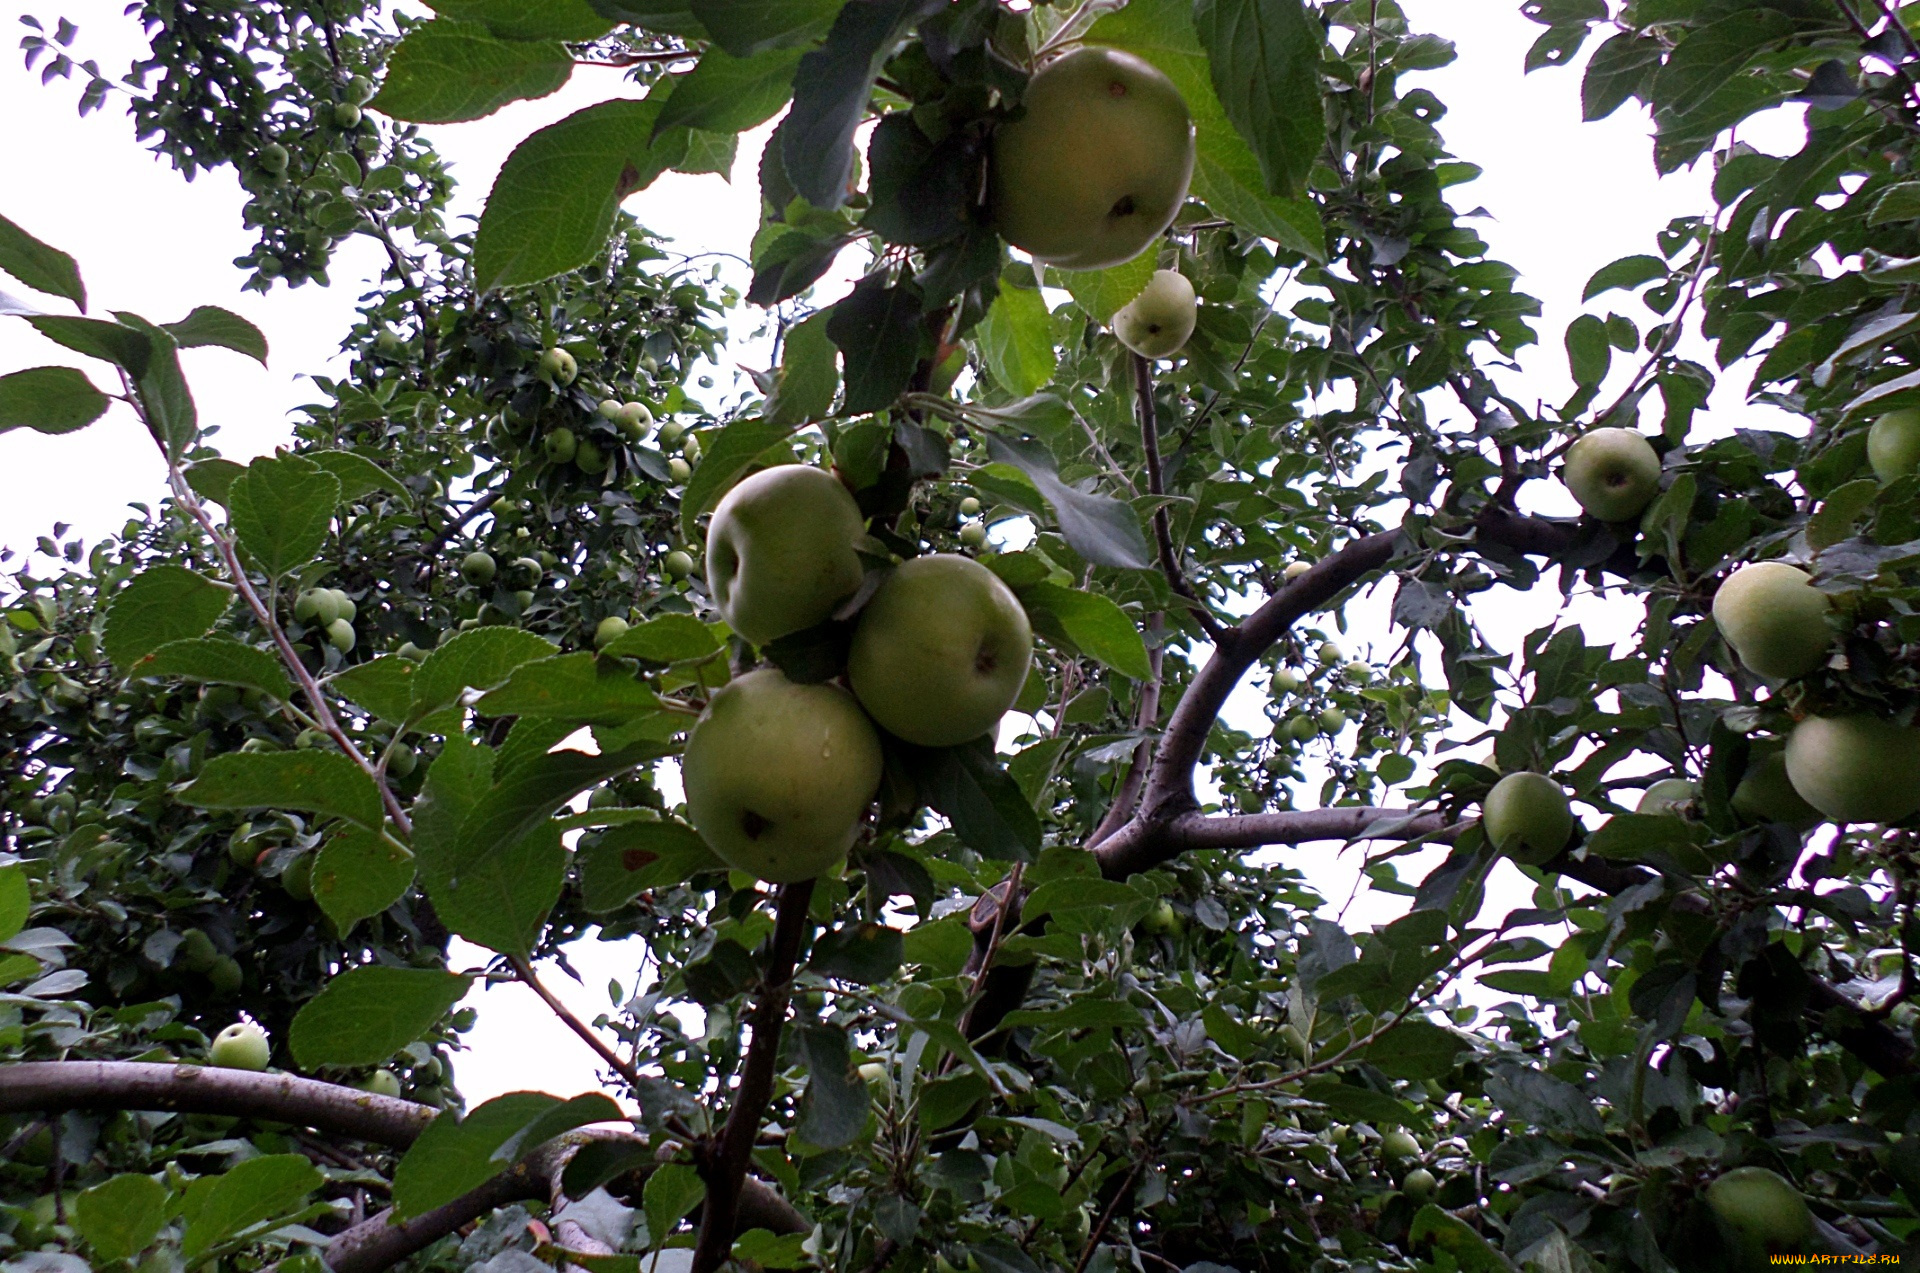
454	1156
479	659
1017	340
43	268
1081	1014
499	899
877	328
670	638
576	687
213	477
162	390
1264	56
866	953
670	17
446	71
837	1101
209	325
122	1216
111	342
1416	1049
324	782
1096	624
1712	55
16	902
366	1014
673	1190
918	190
221	660
254	1191
809	373
1349	1102
1589	352
748	27
1628	272
357	875
282	508
1101	529
384	686
599	1162
358	475
49	400
631	858
162	603
575	20
726	94
1102	293
985	805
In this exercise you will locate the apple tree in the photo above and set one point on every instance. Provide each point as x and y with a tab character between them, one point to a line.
880	703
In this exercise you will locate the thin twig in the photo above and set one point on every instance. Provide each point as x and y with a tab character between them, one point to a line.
1099	1229
1162	532
524	971
430	551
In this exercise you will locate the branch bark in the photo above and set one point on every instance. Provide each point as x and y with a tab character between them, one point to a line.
1142	846
1156	485
725	1168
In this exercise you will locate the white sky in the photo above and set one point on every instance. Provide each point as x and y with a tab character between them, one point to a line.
1565	198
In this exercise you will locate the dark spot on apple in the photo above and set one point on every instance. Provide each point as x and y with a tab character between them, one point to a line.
986	660
1116	89
1153	329
1123	207
634	859
754	825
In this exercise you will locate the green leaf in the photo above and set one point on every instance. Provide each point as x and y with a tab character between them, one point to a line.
1082	1014
1017	340
671	1192
121	1217
835	1108
357	474
453	1157
577	687
220	660
988	811
809	373
1350	1102
1264	57
528	793
1628	272
366	1014
281	509
1618	69
628	859
447	71
16	903
1101	529
1416	1049
726	94
50	400
1899	202
1711	55
670	638
500	898
867	953
830	93
1466	1249
316	781
669	17
100	338
1102	293
211	478
478	659
162	390
572	20
209	325
552	206
1839	511
384	686
877	327
730	455
43	268
162	603
254	1191
1589	352
1096	624
747	27
357	875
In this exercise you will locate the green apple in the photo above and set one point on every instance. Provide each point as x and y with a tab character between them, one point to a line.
410	652
1358	671
382	1083
558	366
1893	444
241	1046
1669	795
678	564
635	421
1418	1184
478	568
1399	1144
1761	1211
1613	473
588	457
1295	569
402	760
1162	920
1527	816
560	446
777	775
343	607
226	976
340	635
297	878
1329	654
1285	681
969	507
609	630
1775	619
1766	794
274	159
360	90
1332	720
780	552
1157	323
609	409
1856	768
974	534
678	471
346	115
1301	728
1096	165
197	951
307	607
526	571
941	651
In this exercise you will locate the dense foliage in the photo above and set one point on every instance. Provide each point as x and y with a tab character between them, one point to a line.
1055	1012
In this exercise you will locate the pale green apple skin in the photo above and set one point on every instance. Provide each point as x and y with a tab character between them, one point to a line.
778	775
1766	793
1526	816
1761	1211
1098	166
1158	322
1856	768
1775	619
1893	444
241	1046
1613	473
780	553
1669	795
941	652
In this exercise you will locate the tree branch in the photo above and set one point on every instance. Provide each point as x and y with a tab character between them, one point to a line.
601	1048
726	1164
1156	485
1146	720
430	551
1141	846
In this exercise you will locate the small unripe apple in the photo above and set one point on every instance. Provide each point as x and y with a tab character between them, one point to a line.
360	90
382	1083
1613	473
1399	1144
671	432
690	448
560	446
609	630
1295	569
1418	1184
274	159
588	457
974	534
969	507
1301	728
402	761
1763	1213
226	976
610	410
306	606
1332	720
1157	323
1856	768
678	564
678	470
558	366
297	878
346	115
1766	793
1284	681
197	951
1329	654
1893	444
1775	619
478	568
340	635
241	1046
343	607
410	652
635	421
1527	816
1358	671
1162	920
1669	795
873	1074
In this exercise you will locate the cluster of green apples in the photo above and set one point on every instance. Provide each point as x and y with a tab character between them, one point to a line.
779	774
564	445
331	612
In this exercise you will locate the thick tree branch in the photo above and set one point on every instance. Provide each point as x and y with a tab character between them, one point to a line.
726	1163
1141	846
1146	719
1157	486
195	1089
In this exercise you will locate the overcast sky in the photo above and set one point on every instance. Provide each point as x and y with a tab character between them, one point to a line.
1563	198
